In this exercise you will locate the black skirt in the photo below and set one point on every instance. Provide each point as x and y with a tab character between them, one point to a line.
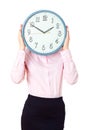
43	114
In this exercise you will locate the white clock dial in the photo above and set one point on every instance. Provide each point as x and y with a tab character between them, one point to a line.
44	32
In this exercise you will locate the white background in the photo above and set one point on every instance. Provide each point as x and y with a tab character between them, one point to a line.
12	96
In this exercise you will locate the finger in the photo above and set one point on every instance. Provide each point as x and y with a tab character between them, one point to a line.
20	27
68	34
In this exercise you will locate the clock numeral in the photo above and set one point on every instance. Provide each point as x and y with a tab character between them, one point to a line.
52	20
51	46
30	39
59	33
37	19
43	47
36	43
57	41
45	17
57	26
28	31
31	24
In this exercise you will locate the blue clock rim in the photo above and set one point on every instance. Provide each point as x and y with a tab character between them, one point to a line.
25	22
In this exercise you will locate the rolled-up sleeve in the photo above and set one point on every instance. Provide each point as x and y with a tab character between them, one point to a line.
18	69
70	71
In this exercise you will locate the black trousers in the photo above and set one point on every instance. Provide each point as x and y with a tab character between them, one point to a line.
43	114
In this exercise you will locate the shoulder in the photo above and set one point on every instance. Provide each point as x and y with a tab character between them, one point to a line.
27	51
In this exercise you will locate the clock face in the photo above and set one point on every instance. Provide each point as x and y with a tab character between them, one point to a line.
44	32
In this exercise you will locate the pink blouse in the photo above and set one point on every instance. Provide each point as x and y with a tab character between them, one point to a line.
44	73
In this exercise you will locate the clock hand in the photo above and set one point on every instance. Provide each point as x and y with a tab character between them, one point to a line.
48	30
38	29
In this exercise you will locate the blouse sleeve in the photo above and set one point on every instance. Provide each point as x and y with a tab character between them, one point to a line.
18	69
70	72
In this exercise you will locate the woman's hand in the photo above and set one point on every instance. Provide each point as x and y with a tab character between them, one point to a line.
66	43
20	39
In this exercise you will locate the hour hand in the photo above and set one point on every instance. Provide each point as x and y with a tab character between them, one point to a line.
38	28
48	29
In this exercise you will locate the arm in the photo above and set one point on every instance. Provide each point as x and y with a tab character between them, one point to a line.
18	70
70	71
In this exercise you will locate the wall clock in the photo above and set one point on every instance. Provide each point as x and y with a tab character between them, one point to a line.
44	32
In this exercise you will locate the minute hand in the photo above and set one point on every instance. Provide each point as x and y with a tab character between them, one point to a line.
48	30
38	29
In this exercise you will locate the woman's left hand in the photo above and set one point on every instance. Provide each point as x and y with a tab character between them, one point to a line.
66	43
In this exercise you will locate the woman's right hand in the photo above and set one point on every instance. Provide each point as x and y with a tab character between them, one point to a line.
20	39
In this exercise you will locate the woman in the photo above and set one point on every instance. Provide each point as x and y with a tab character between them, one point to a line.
44	109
